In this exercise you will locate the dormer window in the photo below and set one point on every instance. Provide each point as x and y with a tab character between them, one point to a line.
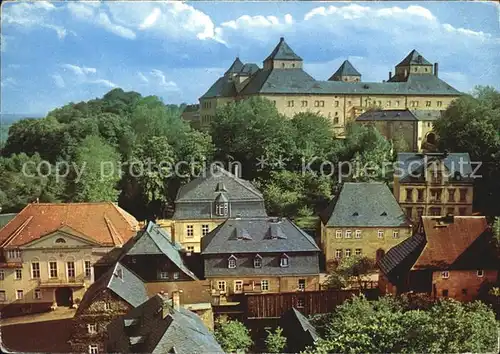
119	273
284	261
221	205
231	262
257	261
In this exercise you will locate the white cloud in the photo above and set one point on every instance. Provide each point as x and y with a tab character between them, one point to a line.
143	77
151	19
466	32
58	80
79	70
103	82
81	10
3	43
121	31
8	82
162	80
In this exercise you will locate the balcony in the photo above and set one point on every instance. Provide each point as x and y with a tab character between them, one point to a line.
58	283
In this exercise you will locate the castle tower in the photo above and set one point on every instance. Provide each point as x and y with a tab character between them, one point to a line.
283	57
346	72
414	64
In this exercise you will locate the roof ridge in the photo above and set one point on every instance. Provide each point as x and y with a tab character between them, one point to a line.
306	235
17	231
114	234
121	211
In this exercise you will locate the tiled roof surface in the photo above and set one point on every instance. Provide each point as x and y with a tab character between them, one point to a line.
157	241
346	69
257	237
407	252
412	58
129	287
412	164
282	51
105	223
427	114
447	243
400	115
180	331
365	204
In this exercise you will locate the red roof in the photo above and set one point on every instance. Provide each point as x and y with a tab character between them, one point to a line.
446	242
103	223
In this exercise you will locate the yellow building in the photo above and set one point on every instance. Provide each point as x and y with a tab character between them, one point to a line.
363	219
48	252
435	184
411	127
342	98
207	201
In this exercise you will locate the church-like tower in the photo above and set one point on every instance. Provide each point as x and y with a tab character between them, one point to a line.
283	57
413	64
346	72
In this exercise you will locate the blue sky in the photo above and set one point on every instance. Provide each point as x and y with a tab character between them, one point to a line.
54	53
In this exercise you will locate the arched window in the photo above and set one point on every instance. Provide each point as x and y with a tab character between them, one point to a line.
60	240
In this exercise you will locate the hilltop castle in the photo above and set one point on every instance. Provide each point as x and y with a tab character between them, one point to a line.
415	85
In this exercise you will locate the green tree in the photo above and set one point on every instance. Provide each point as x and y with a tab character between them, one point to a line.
232	335
350	269
275	341
496	229
96	171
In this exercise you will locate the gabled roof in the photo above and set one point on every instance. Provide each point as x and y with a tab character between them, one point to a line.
235	67
346	69
365	204
400	115
412	165
157	241
414	58
460	243
223	87
249	69
163	330
282	51
104	223
205	187
290	238
129	287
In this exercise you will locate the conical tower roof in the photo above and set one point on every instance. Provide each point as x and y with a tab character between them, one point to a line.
414	58
283	52
235	67
346	69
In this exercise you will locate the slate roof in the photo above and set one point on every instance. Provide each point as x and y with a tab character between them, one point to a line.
365	204
414	58
129	287
104	223
235	67
412	165
223	87
282	51
297	81
253	235
249	69
191	108
346	69
400	115
173	331
304	323
155	240
462	243
205	187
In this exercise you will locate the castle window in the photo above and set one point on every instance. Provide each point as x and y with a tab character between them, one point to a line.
336	120
293	65
380	233
395	234
388	103
322	103
348	233
338	234
427	103
290	103
204	229
357	234
189	231
416	69
282	65
336	103
304	103
426	70
316	103
439	103
396	104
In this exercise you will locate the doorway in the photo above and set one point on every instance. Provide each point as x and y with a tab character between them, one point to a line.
64	296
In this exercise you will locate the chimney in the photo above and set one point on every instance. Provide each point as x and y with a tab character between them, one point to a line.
406	72
176	300
436	69
237	170
165	308
390	75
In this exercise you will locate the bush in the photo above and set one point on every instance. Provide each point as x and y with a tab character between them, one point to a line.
232	335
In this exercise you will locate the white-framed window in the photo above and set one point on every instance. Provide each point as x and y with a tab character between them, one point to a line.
35	270
70	270
302	284
93	348
14	253
357	234
37	295
176	275
395	234
348	252
284	261
358	251
2	275
380	233
338	253
107	306
53	269
204	229
19	274
480	273
338	234
163	275
88	269
445	274
238	286
189	231
257	261
264	285
19	294
301	302
92	328
348	233
231	262
3	296
221	286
